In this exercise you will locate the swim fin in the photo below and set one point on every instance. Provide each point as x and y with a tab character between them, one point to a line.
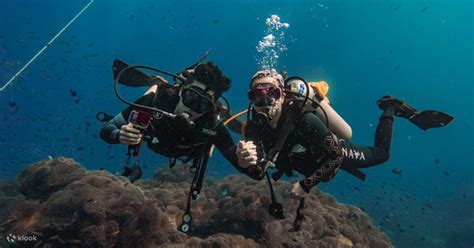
431	119
424	119
402	109
133	173
136	173
132	77
204	57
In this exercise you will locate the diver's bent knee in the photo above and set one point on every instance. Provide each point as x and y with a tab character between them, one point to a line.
385	158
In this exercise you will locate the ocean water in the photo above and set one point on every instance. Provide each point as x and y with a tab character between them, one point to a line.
420	51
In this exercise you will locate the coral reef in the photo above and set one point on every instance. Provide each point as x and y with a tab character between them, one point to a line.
66	206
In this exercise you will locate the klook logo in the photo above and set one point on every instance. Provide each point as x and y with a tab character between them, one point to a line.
12	238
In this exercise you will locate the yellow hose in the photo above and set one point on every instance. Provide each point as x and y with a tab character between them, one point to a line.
235	116
211	151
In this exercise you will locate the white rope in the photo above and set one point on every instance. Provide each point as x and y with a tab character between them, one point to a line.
46	46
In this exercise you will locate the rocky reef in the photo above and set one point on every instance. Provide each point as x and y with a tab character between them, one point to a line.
64	205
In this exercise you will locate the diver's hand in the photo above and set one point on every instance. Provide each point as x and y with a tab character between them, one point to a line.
297	191
129	135
157	80
246	154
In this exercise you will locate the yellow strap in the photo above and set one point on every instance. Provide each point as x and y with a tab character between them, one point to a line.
235	116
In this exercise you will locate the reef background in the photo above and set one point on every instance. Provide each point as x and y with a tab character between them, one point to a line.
421	51
67	206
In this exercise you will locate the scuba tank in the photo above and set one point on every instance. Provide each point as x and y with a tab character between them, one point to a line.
320	107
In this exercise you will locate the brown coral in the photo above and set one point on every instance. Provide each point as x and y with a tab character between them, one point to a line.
98	209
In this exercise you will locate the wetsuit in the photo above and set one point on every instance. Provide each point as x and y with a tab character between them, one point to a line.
164	135
312	150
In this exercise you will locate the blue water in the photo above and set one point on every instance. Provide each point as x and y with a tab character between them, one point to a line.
421	51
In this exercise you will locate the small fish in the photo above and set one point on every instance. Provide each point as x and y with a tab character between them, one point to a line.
424	9
73	92
77	101
437	161
131	17
396	68
50	157
12	104
464	195
215	21
397	171
446	173
389	51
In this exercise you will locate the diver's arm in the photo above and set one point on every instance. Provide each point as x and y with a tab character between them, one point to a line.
256	169
111	130
323	139
224	143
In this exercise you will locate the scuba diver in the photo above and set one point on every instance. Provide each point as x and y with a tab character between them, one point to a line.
291	126
193	104
183	121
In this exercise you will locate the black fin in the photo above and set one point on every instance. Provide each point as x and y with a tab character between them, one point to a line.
424	119
204	57
276	210
402	109
136	173
126	171
132	77
431	119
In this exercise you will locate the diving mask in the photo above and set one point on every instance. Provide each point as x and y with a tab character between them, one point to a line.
264	94
197	99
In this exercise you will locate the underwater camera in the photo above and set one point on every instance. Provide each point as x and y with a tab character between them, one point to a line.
140	119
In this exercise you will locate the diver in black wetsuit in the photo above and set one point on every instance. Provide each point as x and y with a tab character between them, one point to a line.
282	134
193	102
180	121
